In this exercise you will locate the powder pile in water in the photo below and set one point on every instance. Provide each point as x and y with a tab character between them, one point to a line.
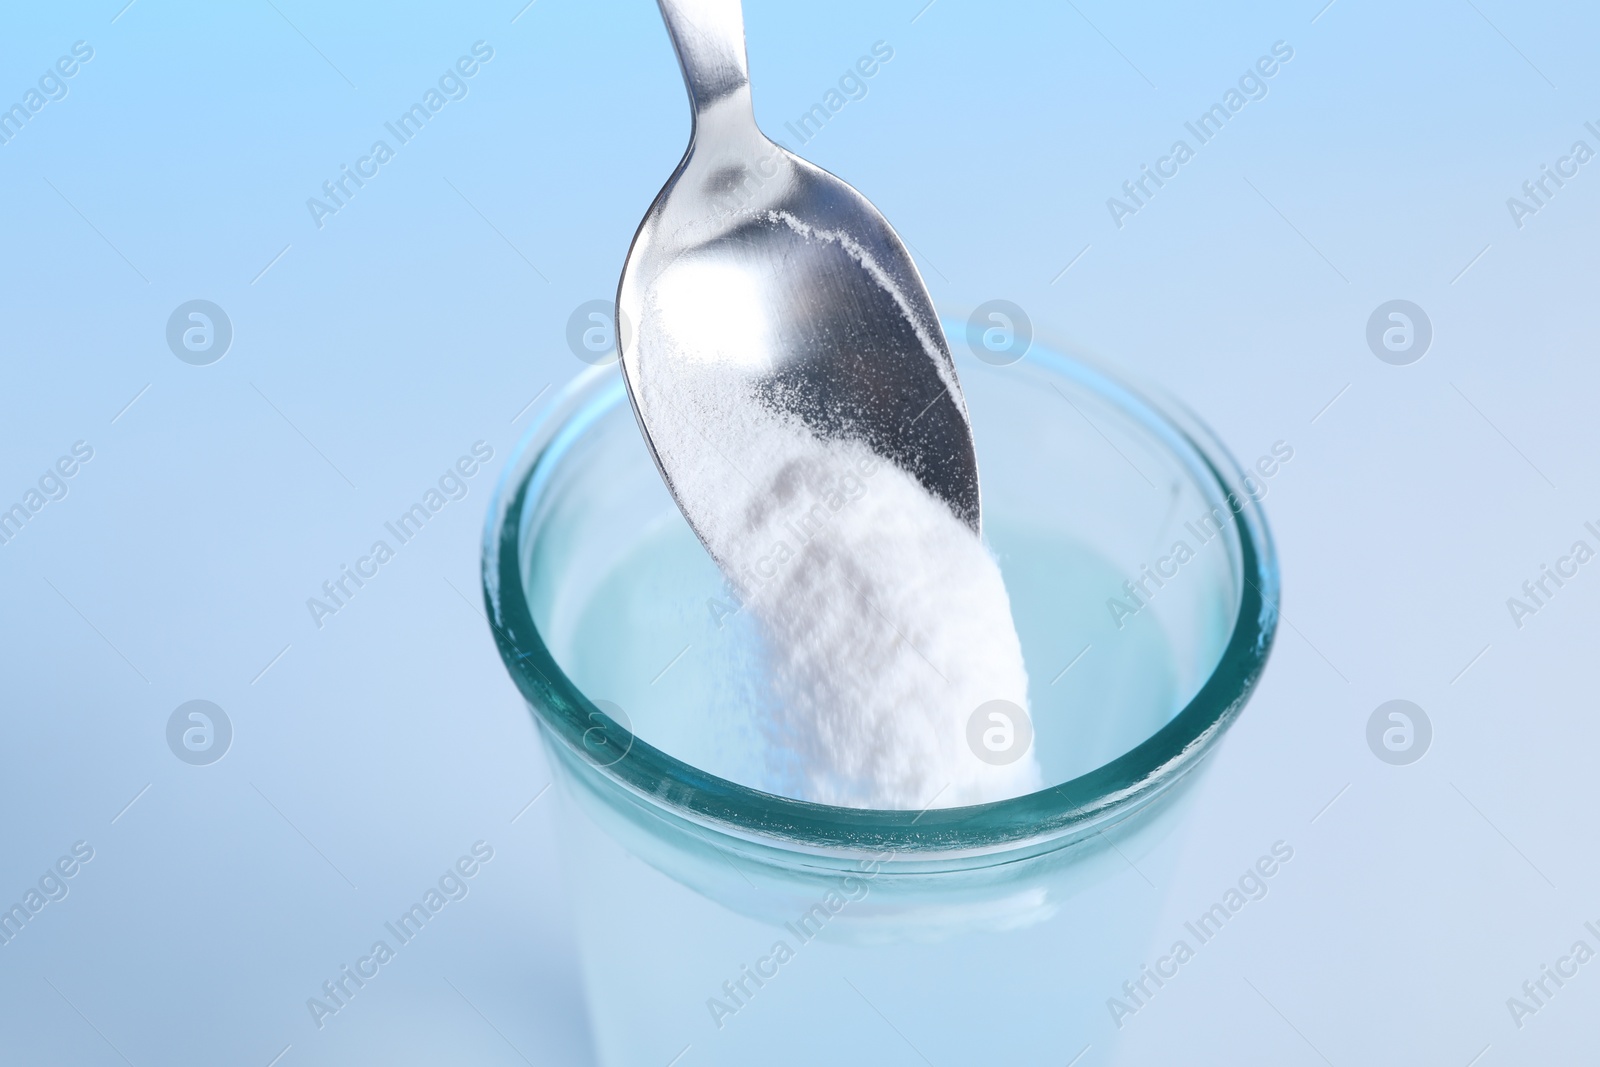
886	622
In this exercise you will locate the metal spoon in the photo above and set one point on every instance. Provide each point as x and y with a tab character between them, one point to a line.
800	286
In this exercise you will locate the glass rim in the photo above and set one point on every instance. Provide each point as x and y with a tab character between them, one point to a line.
1062	812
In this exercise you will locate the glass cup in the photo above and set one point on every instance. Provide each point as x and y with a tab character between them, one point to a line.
720	923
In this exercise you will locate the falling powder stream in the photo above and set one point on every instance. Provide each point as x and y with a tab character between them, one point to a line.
885	619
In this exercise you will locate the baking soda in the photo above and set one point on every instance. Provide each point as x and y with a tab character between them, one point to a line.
884	619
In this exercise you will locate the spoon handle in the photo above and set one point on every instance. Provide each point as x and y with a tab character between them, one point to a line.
708	36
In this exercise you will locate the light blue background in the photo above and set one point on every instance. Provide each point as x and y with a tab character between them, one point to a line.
428	313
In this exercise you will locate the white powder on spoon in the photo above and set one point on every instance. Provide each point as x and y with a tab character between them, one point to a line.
886	621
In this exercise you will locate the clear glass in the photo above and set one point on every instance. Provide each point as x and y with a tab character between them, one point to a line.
1086	484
